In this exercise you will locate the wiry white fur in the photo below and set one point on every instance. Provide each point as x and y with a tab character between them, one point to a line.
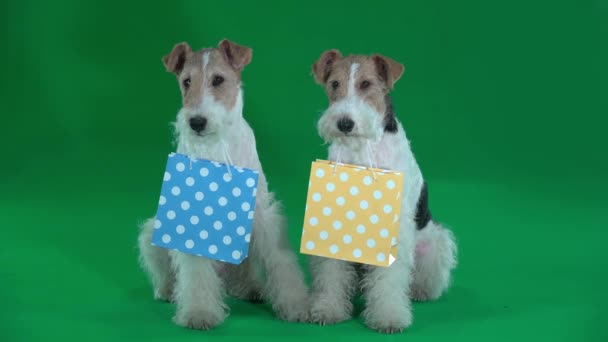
157	262
352	77
218	119
385	289
198	284
435	258
205	60
365	117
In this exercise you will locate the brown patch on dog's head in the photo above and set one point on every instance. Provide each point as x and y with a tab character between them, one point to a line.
374	78
350	80
217	71
209	79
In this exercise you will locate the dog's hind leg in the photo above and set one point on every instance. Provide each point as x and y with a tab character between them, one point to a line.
199	292
284	281
435	259
156	262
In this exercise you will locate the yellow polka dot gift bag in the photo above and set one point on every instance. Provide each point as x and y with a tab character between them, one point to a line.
352	213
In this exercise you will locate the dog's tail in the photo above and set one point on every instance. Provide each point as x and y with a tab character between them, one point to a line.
435	256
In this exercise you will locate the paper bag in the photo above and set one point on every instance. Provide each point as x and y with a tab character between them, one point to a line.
206	208
352	213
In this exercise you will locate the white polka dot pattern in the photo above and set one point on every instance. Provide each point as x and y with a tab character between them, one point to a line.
352	214
204	210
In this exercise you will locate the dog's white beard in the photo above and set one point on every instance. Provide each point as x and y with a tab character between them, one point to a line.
221	127
368	124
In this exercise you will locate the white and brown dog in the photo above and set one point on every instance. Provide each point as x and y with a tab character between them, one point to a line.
360	126
209	124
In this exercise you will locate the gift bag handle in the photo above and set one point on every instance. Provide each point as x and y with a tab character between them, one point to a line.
227	159
337	161
370	159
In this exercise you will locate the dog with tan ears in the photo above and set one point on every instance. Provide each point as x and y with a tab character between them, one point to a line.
209	122
360	126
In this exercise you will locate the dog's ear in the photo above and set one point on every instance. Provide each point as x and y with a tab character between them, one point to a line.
322	68
174	62
388	69
237	56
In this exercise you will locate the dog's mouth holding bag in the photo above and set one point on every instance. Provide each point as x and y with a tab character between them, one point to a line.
206	208
352	213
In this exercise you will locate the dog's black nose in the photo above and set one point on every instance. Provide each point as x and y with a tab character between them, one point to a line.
198	123
346	125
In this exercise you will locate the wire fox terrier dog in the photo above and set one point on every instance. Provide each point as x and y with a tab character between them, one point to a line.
360	126
209	124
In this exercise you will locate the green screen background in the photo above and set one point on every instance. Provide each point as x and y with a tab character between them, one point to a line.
505	104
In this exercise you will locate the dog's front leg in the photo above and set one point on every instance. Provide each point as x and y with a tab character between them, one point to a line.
242	281
284	284
156	262
334	284
385	289
199	292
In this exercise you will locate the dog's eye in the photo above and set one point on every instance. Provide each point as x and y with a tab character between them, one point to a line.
187	82
335	84
217	80
365	84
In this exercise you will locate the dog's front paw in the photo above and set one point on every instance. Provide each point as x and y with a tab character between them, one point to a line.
164	293
419	294
254	297
295	308
390	330
199	319
295	313
388	323
324	314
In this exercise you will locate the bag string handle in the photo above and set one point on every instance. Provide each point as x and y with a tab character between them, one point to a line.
370	159
337	160
227	159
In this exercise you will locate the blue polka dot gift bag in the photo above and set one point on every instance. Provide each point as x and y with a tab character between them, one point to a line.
206	208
